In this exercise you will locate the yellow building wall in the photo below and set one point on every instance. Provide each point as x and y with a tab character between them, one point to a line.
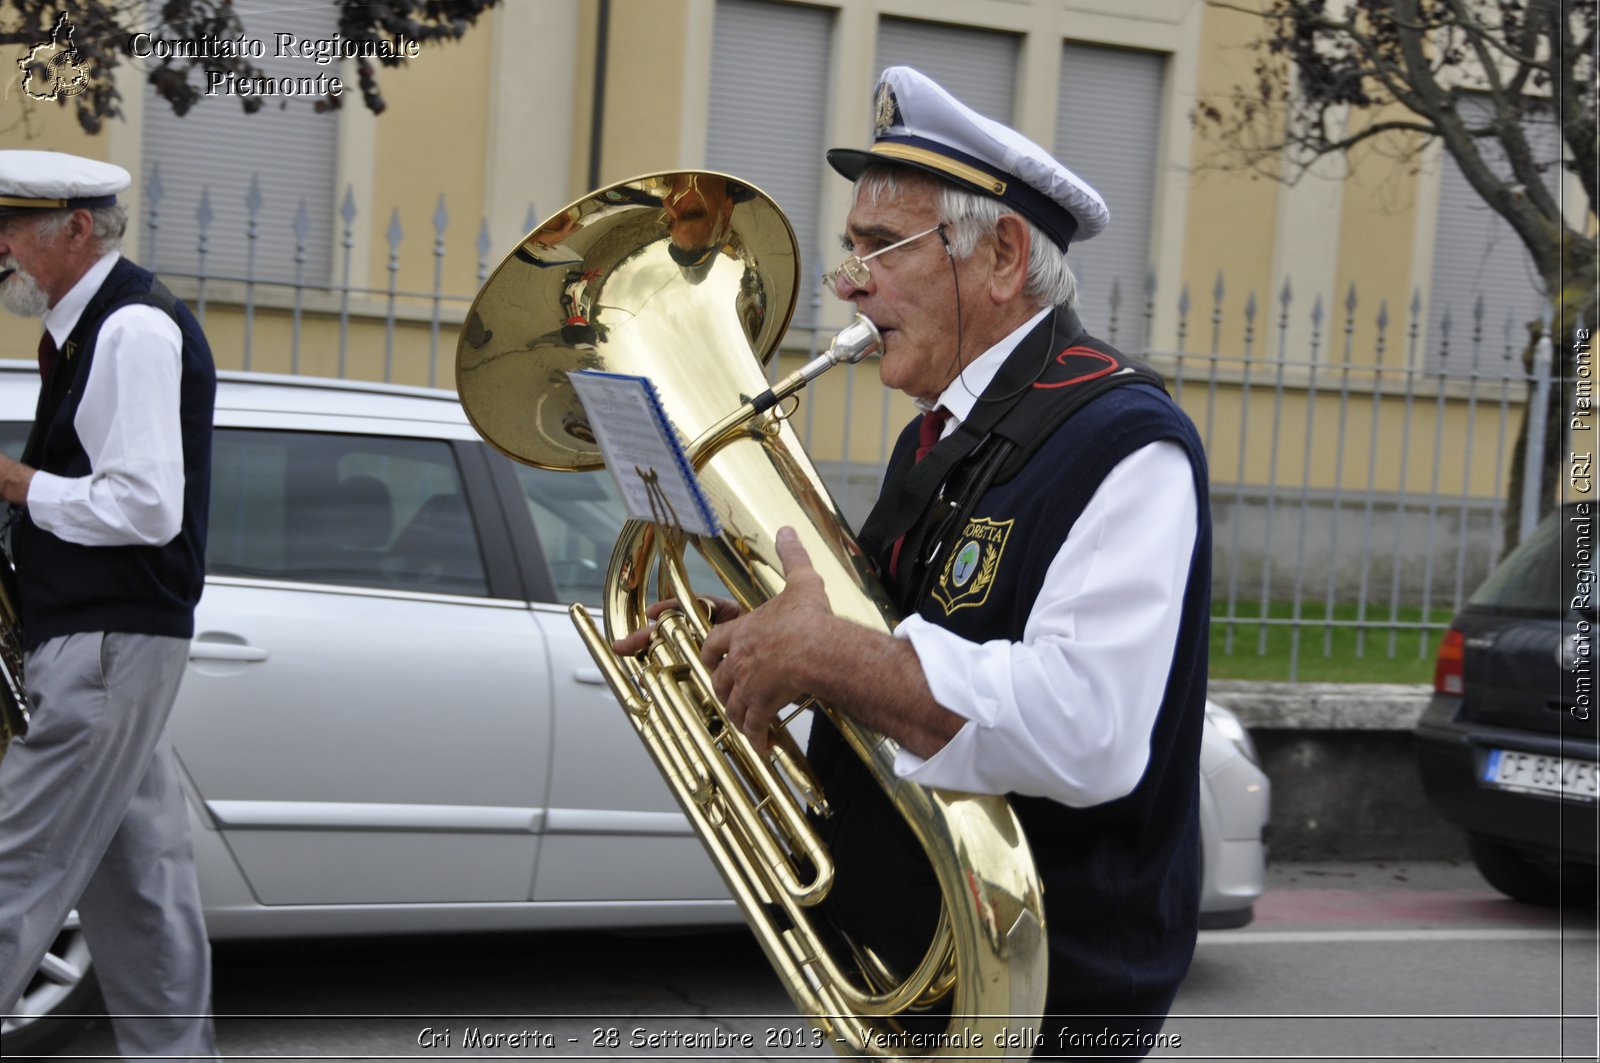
647	56
502	120
1376	242
432	142
1388	445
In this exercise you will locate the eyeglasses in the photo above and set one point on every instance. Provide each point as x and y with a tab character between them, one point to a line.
854	271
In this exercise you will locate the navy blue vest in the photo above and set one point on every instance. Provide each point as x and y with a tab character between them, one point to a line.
1122	878
65	588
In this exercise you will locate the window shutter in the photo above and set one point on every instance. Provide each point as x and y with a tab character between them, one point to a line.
1476	254
977	67
770	66
219	148
1107	132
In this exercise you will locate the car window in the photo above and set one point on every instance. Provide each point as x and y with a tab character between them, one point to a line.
13	436
578	516
1531	578
367	511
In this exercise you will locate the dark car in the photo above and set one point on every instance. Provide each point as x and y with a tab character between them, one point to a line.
1508	746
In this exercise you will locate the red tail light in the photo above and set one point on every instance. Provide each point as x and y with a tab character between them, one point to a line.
1447	669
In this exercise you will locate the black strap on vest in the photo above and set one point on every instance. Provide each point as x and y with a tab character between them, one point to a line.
926	541
1034	392
910	487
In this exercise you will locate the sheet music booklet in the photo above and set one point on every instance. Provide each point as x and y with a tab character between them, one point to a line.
643	451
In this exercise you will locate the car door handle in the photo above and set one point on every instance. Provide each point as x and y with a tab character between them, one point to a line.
590	676
224	651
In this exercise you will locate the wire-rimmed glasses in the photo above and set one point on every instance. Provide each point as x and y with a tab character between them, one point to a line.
854	271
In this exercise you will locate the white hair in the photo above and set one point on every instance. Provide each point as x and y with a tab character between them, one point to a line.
971	216
109	225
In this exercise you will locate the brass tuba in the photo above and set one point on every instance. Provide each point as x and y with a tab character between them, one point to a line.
689	279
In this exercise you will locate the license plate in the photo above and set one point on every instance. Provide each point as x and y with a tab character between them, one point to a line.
1575	780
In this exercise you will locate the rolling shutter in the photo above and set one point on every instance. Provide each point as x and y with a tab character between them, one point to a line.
769	71
219	148
1107	132
1476	254
977	67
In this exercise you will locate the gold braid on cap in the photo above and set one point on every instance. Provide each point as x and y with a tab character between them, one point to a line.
942	163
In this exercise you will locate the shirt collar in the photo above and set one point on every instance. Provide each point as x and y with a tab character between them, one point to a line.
962	394
63	317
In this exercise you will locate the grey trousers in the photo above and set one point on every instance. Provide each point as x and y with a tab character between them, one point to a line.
92	815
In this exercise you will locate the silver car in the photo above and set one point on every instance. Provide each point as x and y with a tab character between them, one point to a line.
389	724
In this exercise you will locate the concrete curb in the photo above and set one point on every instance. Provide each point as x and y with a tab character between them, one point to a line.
1345	784
1323	706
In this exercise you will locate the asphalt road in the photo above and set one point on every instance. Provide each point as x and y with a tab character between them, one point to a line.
1343	962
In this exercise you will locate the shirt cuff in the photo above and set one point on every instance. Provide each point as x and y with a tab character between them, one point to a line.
926	638
46	495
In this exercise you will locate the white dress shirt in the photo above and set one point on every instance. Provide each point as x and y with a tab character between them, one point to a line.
1067	712
128	422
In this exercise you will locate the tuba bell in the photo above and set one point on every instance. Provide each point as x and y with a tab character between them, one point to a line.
689	279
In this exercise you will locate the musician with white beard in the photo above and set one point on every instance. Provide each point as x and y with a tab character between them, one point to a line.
108	533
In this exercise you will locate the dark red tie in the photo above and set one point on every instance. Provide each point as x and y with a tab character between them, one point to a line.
928	433
47	355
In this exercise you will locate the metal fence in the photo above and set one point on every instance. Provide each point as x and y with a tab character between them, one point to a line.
395	307
1360	456
1379	502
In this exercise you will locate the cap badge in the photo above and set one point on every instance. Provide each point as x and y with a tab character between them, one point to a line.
885	109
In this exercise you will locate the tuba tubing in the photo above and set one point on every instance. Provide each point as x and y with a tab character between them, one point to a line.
992	931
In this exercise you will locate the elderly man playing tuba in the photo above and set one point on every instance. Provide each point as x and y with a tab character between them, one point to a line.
1044	527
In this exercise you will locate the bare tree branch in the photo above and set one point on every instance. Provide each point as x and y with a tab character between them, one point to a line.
1522	61
1476	77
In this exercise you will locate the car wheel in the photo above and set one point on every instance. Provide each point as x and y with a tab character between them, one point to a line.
59	1000
1528	879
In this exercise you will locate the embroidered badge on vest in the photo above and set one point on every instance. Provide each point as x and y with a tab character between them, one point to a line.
969	573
